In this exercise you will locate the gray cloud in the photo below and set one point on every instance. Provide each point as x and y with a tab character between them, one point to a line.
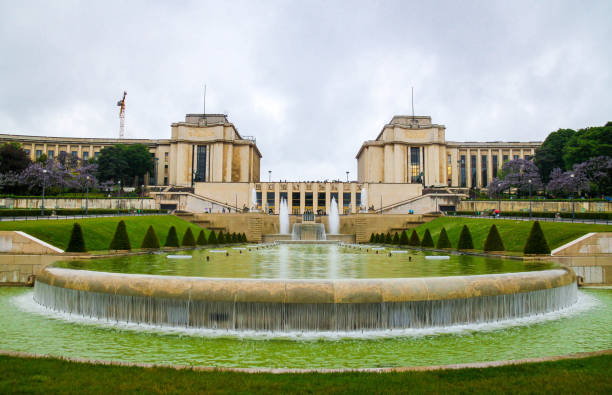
310	80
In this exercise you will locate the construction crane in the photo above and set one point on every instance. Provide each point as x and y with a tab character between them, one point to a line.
121	104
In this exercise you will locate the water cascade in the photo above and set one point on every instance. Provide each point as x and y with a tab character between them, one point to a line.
253	199
334	218
305	305
364	199
283	217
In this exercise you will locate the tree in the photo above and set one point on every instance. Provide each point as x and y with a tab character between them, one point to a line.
150	240
13	158
372	239
414	239
404	238
172	238
567	183
550	154
121	240
212	238
76	243
388	238
396	238
201	238
494	241
518	173
586	144
536	242
597	172
244	238
124	162
221	237
427	240
188	239
465	239
443	240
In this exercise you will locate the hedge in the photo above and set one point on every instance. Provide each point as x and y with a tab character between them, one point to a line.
545	214
536	242
443	240
465	239
493	241
76	243
414	239
188	239
427	240
150	240
172	239
121	240
36	212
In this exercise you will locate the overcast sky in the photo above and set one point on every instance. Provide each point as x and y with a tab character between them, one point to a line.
310	80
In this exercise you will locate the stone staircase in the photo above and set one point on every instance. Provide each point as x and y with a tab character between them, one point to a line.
361	230
254	229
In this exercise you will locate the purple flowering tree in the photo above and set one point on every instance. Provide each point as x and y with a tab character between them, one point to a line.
598	172
521	174
567	183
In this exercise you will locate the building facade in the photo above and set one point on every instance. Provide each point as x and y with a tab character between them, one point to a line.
221	168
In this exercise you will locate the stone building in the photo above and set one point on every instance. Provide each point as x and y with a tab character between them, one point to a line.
217	169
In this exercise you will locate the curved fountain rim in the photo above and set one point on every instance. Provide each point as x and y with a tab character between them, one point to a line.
310	291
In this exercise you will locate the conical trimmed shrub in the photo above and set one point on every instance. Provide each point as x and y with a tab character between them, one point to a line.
76	243
536	242
121	240
188	239
212	238
372	239
404	239
396	238
234	237
201	241
443	240
150	240
465	239
494	241
388	238
427	240
172	239
221	237
244	238
414	239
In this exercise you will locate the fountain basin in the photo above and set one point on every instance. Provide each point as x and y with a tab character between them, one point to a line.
305	305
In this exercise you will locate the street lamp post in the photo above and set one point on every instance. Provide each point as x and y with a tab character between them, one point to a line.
42	206
142	199
119	198
87	195
347	173
572	196
499	192
529	181
269	175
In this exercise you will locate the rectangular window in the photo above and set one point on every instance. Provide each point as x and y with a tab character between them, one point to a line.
165	180
346	202
27	151
415	165
308	201
463	173
50	153
483	170
74	154
321	202
334	196
295	202
96	154
495	165
165	157
85	155
515	157
200	174
270	200
505	159
38	153
358	199
281	196
473	169
449	171
258	197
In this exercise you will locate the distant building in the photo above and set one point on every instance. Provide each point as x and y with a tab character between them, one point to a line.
222	168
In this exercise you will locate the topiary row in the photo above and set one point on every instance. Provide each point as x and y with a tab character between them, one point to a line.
121	240
536	242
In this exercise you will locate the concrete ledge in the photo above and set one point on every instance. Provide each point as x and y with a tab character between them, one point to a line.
306	291
16	242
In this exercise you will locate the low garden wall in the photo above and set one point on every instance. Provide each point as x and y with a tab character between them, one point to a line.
579	205
77	203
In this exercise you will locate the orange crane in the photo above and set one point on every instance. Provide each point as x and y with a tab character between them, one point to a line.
121	104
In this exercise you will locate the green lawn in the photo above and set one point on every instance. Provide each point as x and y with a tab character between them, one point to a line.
589	375
98	232
513	233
